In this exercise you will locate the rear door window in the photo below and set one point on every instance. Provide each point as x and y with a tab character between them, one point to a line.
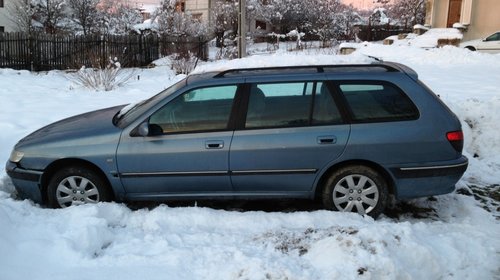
377	101
291	104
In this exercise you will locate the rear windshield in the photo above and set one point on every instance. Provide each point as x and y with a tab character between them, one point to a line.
377	101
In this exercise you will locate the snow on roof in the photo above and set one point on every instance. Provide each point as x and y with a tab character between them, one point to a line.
149	8
420	26
146	25
384	19
353	45
459	25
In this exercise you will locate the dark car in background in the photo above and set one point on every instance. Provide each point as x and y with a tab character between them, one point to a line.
347	135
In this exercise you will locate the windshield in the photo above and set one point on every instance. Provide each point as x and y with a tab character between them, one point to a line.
130	112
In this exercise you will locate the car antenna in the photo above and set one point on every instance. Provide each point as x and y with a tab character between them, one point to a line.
376	58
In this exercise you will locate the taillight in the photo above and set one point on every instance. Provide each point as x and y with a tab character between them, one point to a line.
456	139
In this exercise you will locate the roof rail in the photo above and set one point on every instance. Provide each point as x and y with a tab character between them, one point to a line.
319	68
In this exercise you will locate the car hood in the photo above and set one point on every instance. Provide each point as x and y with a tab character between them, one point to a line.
85	125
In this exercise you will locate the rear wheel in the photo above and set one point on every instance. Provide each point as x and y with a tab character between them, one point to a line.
76	186
470	48
356	188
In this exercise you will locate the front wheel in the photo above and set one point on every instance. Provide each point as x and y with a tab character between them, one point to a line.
76	186
356	188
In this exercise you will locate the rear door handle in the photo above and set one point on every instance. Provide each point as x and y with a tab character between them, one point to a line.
214	144
329	139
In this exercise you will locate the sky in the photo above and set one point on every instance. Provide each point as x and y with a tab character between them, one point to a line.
361	4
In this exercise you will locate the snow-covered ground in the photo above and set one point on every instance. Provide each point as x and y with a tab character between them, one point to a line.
446	237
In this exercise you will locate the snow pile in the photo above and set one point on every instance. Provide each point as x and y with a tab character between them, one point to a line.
454	238
420	26
109	241
427	40
430	38
147	25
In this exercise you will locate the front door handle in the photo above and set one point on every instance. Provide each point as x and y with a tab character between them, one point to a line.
214	144
329	139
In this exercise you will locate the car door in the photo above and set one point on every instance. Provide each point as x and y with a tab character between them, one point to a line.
292	130
187	149
491	44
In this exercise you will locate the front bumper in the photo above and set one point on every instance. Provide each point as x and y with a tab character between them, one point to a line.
26	182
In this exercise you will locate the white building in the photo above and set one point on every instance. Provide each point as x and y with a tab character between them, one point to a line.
199	9
6	23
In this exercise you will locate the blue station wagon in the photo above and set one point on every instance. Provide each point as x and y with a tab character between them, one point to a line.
347	135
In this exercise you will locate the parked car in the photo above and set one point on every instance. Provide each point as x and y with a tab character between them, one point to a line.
490	44
348	135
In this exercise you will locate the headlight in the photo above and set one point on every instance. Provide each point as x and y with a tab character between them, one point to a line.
16	156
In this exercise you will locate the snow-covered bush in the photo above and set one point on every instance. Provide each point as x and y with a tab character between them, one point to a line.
183	64
102	78
297	36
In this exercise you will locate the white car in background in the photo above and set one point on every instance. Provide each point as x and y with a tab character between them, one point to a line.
490	44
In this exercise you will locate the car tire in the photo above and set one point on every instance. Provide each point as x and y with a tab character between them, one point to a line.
75	186
356	188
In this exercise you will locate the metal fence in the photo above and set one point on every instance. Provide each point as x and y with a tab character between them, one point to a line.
40	52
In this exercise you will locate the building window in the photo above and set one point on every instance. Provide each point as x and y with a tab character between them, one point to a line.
180	6
260	25
197	16
2	29
1	3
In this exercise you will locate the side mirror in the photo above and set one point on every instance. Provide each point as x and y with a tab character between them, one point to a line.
143	129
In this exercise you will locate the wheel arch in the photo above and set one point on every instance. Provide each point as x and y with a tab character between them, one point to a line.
57	165
471	48
377	167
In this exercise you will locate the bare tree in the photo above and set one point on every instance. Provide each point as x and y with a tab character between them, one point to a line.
408	12
224	20
85	14
350	18
50	14
113	17
325	19
123	20
174	21
21	14
285	15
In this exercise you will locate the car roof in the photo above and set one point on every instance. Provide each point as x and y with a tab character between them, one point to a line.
376	67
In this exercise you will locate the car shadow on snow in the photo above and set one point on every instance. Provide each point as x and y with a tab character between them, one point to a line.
396	210
282	205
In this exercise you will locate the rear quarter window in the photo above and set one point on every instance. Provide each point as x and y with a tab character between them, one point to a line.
377	101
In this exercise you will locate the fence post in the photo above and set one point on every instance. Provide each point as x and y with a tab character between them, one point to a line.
31	51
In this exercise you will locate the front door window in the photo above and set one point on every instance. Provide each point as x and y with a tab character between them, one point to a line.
204	109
